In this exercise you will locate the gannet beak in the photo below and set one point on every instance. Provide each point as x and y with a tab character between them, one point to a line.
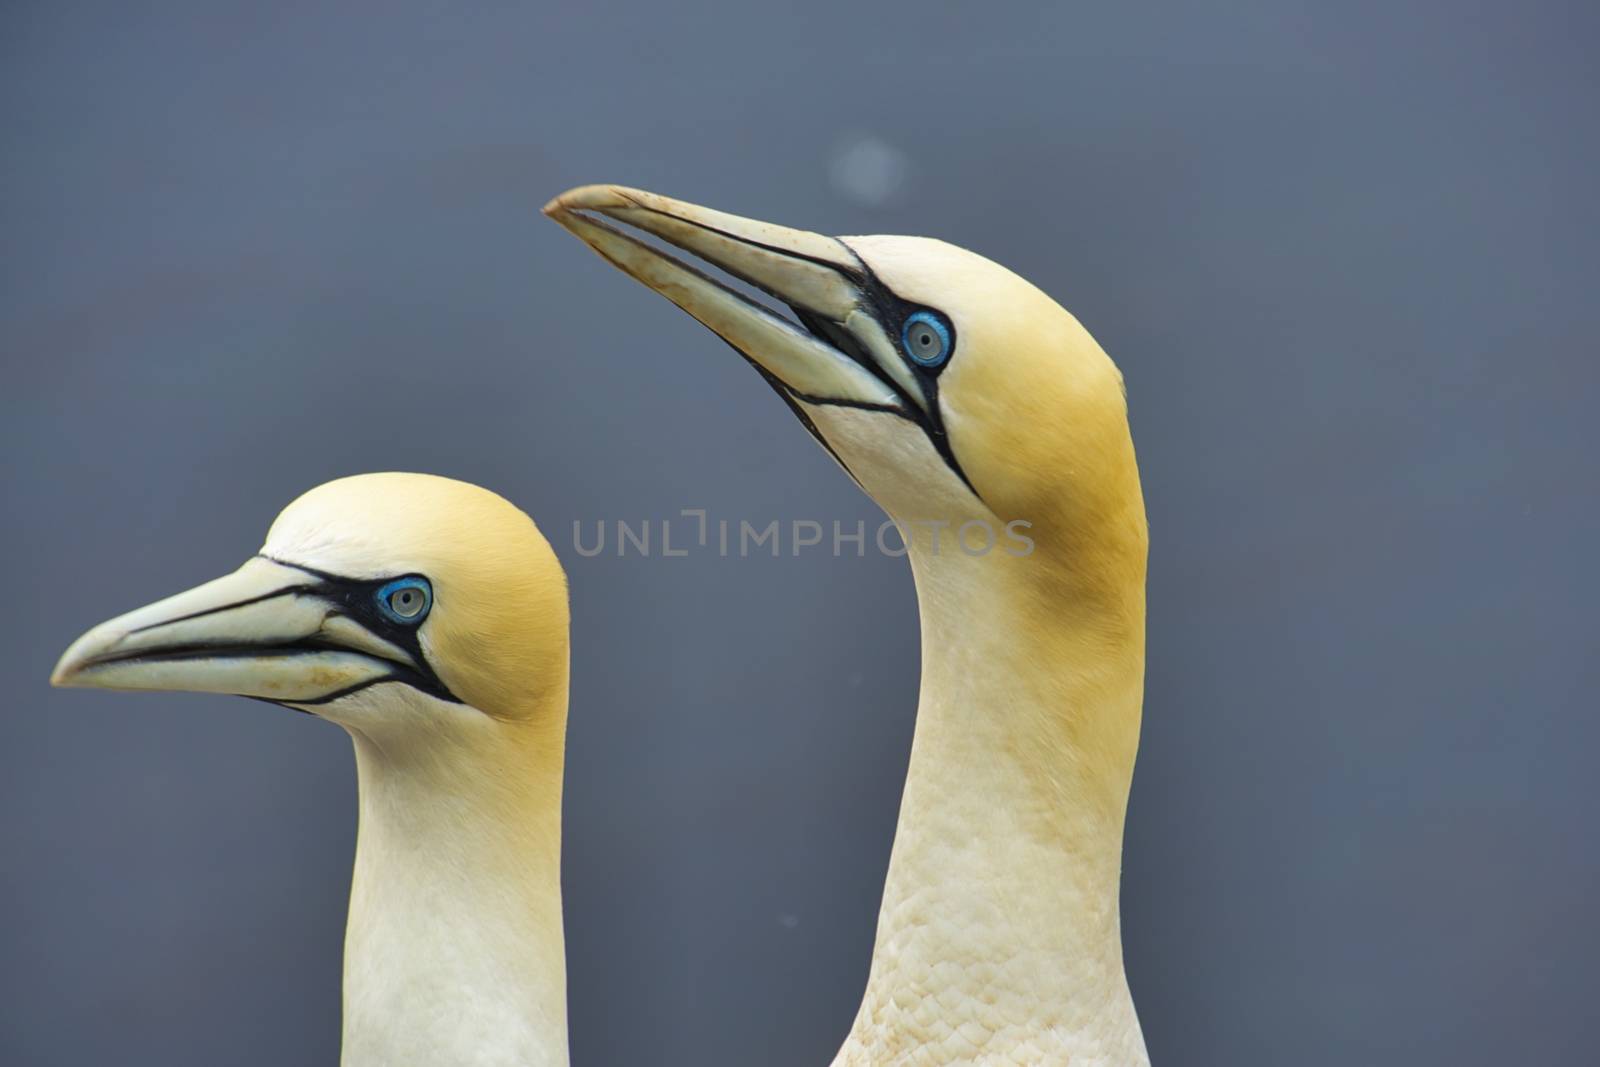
268	630
841	356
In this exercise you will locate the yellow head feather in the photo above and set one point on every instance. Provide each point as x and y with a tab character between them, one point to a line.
498	632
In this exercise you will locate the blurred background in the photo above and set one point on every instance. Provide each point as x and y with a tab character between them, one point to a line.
1345	254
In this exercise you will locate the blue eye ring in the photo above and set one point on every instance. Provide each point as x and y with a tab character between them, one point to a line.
399	602
926	338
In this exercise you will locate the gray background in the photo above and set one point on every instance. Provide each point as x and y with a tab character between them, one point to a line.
1344	252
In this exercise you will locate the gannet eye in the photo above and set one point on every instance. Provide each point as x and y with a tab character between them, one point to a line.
926	338
406	600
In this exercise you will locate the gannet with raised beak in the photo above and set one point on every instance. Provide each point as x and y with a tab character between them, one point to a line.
428	618
966	403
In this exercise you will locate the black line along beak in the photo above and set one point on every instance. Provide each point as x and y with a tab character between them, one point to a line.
810	273
841	353
269	630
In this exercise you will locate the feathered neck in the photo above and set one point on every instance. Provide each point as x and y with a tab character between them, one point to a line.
454	950
999	935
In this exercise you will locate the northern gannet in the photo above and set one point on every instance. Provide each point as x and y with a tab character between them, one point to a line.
988	423
428	618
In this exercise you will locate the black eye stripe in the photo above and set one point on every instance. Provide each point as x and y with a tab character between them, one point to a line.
356	600
891	312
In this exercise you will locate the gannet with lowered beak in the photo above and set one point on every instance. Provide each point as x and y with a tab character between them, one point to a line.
428	618
966	403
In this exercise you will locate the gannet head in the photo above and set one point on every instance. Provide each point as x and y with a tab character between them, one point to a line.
381	602
948	387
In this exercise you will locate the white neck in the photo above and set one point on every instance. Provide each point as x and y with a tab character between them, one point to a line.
999	936
454	952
